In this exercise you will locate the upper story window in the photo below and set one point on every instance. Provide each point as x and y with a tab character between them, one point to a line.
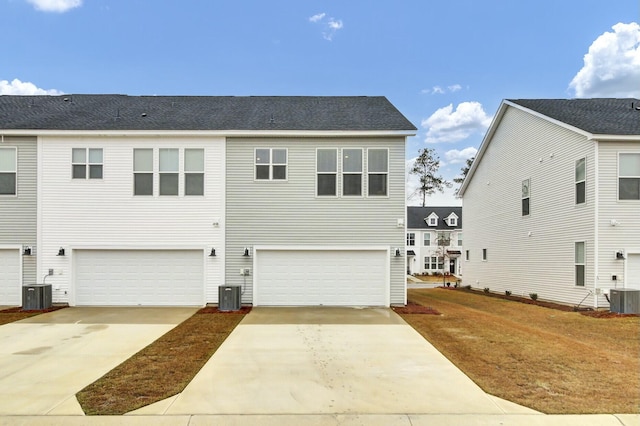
459	239
352	172
169	171
426	239
8	171
271	164
411	238
86	163
452	220
327	172
378	171
629	176
526	193
194	172
444	238
143	171
581	181
432	220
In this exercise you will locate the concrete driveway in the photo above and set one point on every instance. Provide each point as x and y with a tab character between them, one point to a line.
45	360
328	361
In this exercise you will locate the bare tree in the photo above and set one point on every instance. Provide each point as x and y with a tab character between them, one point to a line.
463	176
426	168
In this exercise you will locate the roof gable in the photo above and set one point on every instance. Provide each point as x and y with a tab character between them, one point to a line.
178	113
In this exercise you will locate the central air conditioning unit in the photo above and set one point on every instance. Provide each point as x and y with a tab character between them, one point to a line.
36	297
229	298
624	301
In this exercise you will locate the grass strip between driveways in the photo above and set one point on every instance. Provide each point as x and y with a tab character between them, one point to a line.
162	369
553	361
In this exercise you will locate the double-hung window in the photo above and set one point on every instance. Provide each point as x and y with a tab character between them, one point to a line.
426	239
378	171
352	172
86	163
271	164
411	239
526	194
327	172
579	263
194	172
8	171
581	181
629	176
459	239
169	171
143	171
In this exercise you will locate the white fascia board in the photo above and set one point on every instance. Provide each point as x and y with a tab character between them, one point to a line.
615	138
210	133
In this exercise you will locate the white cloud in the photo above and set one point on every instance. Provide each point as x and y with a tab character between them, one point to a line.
318	17
447	125
55	5
330	25
17	87
612	65
455	156
439	90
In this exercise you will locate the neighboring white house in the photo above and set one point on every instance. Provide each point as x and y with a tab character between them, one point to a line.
432	231
552	200
160	200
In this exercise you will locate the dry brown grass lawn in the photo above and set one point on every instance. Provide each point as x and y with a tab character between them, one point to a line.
16	314
552	361
162	369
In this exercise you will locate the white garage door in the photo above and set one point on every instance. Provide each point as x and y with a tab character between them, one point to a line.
10	286
139	277
633	271
321	277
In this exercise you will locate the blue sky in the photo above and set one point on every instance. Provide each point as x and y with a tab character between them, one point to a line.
445	64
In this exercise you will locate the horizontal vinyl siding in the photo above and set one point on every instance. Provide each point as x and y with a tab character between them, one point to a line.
104	214
528	147
18	214
626	234
289	213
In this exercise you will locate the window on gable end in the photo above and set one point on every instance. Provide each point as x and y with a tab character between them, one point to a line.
581	181
8	171
579	263
526	195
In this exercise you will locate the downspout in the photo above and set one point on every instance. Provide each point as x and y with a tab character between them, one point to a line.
596	251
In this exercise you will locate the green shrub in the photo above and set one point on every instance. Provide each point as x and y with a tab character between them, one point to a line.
507	292
486	289
533	296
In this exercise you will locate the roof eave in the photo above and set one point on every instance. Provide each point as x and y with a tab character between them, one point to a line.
218	133
615	138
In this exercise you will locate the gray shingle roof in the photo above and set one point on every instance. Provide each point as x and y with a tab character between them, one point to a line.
606	116
416	216
122	112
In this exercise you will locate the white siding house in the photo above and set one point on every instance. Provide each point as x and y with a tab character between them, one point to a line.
552	196
430	232
161	200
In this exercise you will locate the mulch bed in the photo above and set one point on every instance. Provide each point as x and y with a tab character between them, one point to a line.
414	308
214	310
19	310
590	312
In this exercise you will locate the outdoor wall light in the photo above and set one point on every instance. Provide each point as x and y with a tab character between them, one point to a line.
61	251
26	251
397	252
213	253
620	255
247	252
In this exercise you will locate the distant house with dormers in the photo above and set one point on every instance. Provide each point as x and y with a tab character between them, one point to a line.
434	240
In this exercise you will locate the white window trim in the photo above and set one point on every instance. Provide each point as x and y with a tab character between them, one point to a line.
432	217
528	197
342	173
424	238
152	171
193	172
622	177
271	164
169	172
576	182
409	239
337	186
377	173
15	156
87	164
583	264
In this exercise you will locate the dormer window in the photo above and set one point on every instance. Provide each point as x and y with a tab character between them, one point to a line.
452	220
432	220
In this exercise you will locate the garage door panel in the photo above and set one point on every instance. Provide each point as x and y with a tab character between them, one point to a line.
10	285
633	271
139	277
322	277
